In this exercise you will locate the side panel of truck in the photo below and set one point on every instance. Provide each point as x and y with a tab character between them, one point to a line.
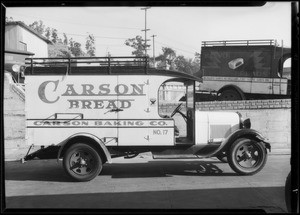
120	110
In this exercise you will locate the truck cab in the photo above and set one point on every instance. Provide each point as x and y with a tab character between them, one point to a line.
90	110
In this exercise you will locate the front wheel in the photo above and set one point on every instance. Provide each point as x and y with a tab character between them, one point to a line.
82	162
247	156
288	191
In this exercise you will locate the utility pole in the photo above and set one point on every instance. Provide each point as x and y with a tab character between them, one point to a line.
153	50
146	8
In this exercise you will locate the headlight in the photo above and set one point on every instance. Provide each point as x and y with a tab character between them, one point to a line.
247	123
16	68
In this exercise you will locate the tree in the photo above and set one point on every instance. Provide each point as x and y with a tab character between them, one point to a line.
138	45
59	50
183	64
54	35
166	59
48	33
38	26
65	39
189	65
90	45
75	48
197	58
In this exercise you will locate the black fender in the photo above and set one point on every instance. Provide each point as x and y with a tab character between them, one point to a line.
234	87
250	133
91	137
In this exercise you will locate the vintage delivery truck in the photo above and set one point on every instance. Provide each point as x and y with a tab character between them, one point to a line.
244	69
86	111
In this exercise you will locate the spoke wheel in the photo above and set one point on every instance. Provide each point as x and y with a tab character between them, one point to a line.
82	162
247	156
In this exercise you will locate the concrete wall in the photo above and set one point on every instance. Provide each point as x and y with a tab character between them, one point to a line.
14	120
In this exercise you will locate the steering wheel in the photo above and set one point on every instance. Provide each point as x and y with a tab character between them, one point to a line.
176	109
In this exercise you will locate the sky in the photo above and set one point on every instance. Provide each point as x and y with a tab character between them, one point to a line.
180	28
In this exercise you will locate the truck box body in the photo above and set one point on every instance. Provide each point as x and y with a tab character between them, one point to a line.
252	68
60	106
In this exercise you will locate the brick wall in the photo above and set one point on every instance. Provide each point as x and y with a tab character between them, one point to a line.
14	120
234	105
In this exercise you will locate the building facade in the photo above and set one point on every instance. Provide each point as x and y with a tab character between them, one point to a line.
21	42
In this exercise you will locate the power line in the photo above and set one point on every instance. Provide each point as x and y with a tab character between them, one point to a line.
82	35
53	20
171	39
118	38
176	48
115	38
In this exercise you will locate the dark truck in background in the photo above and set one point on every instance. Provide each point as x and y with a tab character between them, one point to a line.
244	69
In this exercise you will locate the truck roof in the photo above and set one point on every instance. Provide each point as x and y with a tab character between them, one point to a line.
243	43
236	44
99	66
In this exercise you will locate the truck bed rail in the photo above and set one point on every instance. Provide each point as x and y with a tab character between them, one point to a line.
239	43
106	64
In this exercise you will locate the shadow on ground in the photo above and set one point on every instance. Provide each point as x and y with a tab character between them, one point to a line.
50	170
226	199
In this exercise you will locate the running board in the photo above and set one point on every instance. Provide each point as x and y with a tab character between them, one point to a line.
183	156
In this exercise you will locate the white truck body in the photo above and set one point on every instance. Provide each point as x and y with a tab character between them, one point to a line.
61	106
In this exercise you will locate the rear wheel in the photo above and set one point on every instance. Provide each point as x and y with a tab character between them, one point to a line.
247	156
288	192
230	95
82	162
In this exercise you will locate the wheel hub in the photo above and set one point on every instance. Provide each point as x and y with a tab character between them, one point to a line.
248	155
82	162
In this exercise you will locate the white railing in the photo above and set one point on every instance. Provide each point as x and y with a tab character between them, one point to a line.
238	42
19	89
21	86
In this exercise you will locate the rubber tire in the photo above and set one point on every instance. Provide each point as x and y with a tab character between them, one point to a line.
242	170
84	147
288	192
230	95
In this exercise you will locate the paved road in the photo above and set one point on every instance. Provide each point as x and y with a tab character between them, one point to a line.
145	183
